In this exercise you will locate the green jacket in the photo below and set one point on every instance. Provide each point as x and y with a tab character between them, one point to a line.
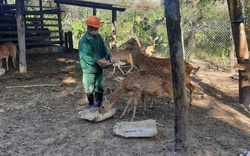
91	50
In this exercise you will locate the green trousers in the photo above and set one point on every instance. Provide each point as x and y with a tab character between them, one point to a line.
93	83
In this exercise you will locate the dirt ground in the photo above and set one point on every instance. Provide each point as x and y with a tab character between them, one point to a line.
39	115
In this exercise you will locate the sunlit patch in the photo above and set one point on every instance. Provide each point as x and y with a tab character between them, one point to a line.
61	59
65	60
69	80
69	68
225	113
70	61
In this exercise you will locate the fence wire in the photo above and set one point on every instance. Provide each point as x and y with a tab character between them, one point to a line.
210	42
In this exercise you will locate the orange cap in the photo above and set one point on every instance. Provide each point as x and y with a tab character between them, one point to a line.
93	21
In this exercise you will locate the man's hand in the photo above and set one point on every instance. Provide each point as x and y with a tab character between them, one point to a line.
102	62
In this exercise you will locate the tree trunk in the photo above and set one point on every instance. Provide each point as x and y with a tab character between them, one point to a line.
172	14
241	47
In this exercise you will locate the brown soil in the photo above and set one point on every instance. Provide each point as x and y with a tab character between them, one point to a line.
43	119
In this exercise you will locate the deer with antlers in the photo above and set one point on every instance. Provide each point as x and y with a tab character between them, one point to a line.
143	62
150	50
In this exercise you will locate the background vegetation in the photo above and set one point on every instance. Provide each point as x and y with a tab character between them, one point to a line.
205	25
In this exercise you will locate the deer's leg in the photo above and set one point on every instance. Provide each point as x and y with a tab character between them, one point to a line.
131	63
152	102
119	67
7	62
144	104
14	61
128	104
113	71
191	89
1	63
136	99
129	70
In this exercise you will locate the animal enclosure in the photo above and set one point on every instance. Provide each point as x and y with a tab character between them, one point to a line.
42	24
39	114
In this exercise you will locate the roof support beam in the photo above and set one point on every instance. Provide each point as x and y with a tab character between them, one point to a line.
90	4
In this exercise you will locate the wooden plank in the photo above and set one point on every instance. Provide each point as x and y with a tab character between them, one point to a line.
7	6
41	19
7	25
90	4
8	39
41	38
36	40
32	12
30	31
42	12
44	43
8	11
43	25
7	18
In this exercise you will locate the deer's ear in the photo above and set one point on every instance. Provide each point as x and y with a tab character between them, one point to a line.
151	39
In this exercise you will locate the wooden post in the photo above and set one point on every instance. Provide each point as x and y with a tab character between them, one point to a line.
60	23
172	14
66	42
41	10
114	18
20	20
70	41
241	47
94	11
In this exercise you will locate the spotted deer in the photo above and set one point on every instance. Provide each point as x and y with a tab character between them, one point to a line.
124	56
121	55
152	83
150	50
143	62
7	50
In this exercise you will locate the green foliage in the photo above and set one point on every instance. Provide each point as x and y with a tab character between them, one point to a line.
77	28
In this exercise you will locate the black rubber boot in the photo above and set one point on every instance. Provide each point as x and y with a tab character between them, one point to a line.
98	98
91	100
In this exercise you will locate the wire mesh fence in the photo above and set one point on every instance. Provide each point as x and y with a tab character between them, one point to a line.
211	42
